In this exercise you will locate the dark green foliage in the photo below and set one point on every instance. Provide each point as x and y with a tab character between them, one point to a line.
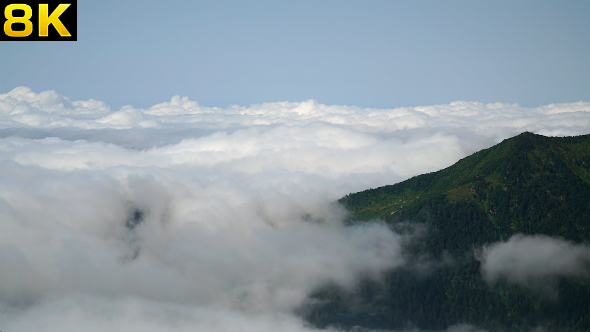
528	184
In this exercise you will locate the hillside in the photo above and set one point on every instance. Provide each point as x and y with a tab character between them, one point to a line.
528	184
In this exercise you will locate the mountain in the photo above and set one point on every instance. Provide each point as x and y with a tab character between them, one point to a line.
527	185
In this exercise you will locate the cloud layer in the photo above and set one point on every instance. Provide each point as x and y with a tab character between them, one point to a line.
196	218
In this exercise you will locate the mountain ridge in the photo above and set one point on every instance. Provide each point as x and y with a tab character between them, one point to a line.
527	185
542	165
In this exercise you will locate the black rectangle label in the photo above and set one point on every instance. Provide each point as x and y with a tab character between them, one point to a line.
41	20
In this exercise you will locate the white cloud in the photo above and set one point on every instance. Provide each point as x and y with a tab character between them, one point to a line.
209	213
91	313
523	259
498	119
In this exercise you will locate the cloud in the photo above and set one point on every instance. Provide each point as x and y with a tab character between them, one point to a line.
151	235
92	313
99	314
23	107
522	259
184	217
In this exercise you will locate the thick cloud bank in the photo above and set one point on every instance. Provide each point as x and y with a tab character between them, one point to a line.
181	217
523	259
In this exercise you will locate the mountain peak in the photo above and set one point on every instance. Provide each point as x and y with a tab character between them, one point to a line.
510	176
526	188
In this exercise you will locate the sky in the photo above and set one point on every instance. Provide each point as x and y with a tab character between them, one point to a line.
380	54
177	168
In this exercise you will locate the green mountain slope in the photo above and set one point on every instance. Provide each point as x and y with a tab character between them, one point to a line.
529	184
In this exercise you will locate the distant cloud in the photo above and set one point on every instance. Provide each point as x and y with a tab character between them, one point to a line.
183	217
23	107
522	259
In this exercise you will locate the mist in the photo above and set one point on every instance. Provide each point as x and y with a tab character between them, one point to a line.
180	217
534	260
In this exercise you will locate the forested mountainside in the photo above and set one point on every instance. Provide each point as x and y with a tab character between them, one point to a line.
528	184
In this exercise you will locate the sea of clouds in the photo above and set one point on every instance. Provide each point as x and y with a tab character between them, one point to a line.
181	217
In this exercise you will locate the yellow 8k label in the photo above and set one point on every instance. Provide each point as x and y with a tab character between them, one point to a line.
27	20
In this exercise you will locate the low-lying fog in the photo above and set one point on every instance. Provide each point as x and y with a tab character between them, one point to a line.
188	218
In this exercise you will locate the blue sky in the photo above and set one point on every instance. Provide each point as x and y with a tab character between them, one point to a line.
379	54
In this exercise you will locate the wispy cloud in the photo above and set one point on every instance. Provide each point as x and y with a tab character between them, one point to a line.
523	259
